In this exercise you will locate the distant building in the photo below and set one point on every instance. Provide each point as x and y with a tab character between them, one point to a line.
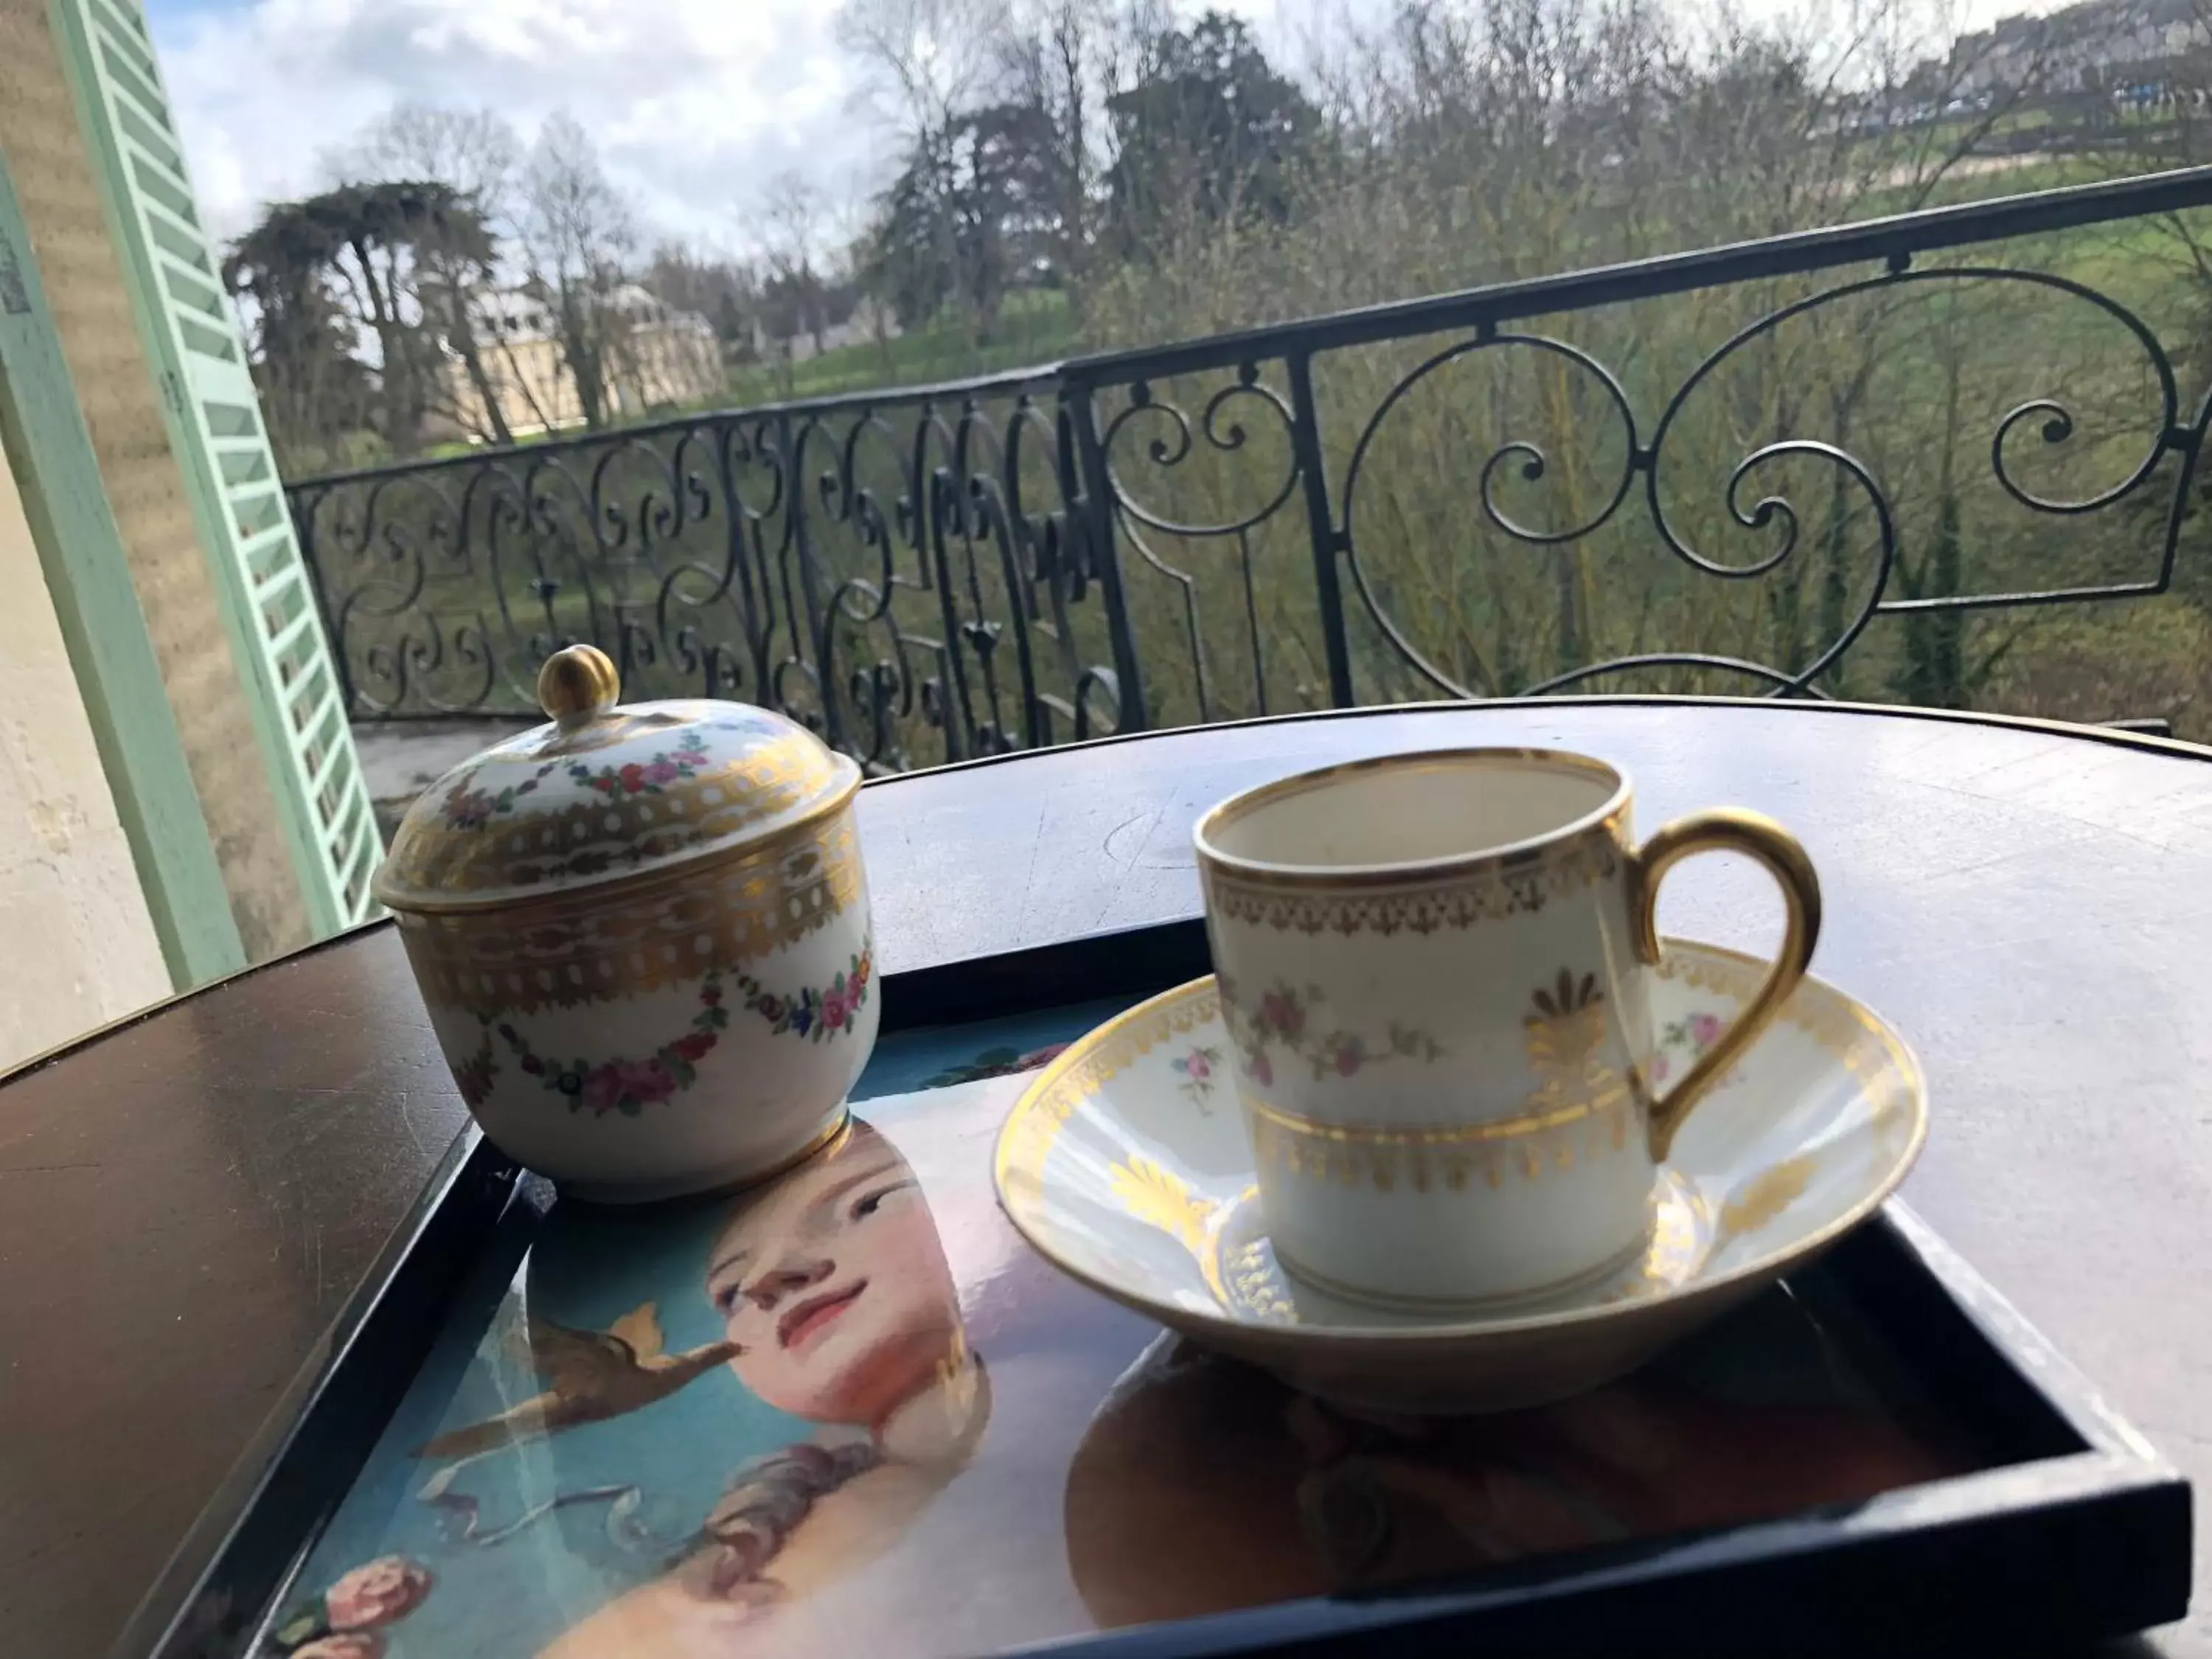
656	357
2076	49
826	320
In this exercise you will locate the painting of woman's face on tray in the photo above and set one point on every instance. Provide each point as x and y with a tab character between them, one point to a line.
852	1412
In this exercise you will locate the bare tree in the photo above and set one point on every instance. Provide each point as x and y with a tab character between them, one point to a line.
791	213
926	60
474	151
807	265
925	63
576	235
1057	62
475	154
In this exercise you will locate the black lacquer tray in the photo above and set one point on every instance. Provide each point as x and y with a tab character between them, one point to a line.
546	1428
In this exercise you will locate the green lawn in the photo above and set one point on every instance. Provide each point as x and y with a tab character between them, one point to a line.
1034	328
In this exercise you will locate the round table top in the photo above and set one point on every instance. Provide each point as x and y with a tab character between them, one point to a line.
187	1200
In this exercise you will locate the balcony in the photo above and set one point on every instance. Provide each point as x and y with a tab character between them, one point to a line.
1946	459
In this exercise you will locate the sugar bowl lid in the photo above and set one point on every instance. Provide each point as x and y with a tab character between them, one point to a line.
605	792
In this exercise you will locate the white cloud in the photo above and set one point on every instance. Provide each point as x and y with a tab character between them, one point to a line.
696	105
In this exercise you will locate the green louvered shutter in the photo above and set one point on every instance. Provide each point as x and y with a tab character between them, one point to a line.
215	428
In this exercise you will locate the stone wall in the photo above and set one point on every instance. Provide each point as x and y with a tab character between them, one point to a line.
82	947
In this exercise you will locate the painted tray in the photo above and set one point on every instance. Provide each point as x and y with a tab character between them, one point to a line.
559	1431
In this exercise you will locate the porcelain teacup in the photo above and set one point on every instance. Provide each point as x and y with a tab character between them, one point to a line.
1433	967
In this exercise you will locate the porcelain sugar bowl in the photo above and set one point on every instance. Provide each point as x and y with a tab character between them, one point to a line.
642	934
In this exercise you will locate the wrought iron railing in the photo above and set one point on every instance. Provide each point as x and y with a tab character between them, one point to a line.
1844	462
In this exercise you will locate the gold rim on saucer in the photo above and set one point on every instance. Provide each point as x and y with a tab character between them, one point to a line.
1127	1164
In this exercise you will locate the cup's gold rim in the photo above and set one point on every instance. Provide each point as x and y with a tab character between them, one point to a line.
1474	859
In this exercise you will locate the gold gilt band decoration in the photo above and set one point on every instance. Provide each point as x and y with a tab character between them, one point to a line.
1246	1275
1454	1159
607	943
1483	892
1247	1279
629	815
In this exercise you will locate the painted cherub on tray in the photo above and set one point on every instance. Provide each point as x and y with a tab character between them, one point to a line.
836	1306
839	1309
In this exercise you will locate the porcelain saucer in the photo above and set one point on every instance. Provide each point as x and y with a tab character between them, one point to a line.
1127	1164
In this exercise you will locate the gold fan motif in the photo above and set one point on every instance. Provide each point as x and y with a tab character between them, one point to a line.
1567	1028
1159	1198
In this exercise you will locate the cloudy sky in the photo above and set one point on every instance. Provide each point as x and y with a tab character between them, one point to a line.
695	104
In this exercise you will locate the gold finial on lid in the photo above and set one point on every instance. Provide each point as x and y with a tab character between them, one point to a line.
578	683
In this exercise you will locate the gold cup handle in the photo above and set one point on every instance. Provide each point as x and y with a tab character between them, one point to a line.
1726	829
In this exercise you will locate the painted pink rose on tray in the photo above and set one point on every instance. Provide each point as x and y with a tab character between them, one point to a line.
377	1593
993	1062
347	1644
347	1621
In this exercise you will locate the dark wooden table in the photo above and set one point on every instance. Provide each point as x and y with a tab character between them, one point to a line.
187	1202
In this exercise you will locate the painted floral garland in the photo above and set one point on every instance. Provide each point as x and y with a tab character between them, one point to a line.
629	1086
467	807
1283	1019
815	1014
475	1074
645	777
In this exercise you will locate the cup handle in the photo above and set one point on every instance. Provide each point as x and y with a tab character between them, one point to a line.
1725	829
